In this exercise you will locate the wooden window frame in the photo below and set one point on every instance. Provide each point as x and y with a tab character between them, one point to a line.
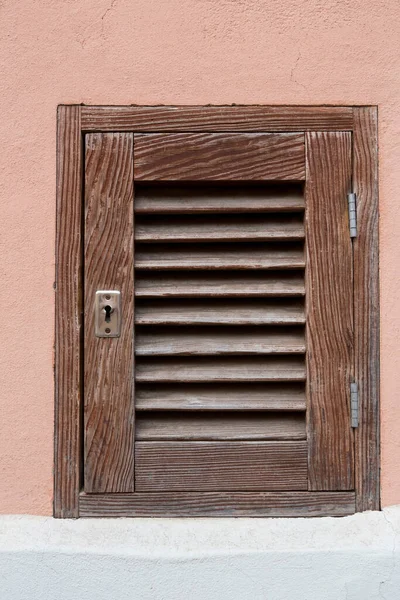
73	122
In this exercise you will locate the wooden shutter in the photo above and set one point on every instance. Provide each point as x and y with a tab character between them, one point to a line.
242	324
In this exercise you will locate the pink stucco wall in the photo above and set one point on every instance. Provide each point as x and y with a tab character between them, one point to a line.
166	52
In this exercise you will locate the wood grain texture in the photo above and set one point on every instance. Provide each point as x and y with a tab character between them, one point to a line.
165	369
216	118
206	397
211	198
109	410
214	285
220	156
219	228
68	313
220	426
220	466
220	256
329	304
366	315
218	504
164	341
220	312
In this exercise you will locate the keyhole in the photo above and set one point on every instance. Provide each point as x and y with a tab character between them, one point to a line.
108	310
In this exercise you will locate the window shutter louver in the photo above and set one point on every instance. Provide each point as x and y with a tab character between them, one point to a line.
189	347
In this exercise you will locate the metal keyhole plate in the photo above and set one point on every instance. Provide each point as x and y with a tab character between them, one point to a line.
107	313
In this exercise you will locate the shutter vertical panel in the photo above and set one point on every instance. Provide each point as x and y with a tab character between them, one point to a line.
220	332
329	300
108	376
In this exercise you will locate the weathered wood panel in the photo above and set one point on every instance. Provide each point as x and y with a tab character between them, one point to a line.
67	443
220	257
164	341
329	308
219	228
218	504
220	312
222	466
256	368
205	397
217	118
366	315
219	157
209	284
196	198
220	426
109	410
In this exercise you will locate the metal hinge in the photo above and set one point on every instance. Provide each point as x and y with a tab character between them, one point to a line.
354	404
351	199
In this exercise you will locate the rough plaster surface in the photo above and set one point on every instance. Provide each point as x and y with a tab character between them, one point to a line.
354	558
175	52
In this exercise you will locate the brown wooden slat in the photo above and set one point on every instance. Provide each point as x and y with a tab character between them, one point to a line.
329	297
205	397
220	426
109	413
219	228
228	369
219	257
196	198
216	118
209	284
226	340
219	157
222	466
218	504
366	314
220	312
67	443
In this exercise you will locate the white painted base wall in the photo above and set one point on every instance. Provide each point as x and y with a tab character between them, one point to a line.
352	558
